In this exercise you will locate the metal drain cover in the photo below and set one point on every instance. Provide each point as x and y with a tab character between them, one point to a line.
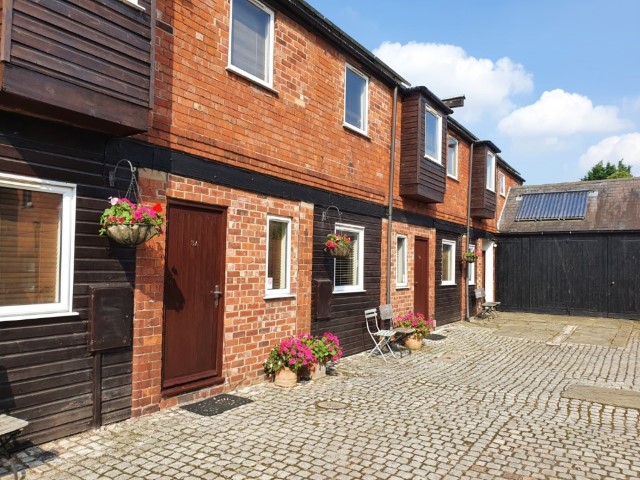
331	405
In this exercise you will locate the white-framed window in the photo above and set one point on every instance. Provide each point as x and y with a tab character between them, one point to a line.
502	184
452	157
349	271
37	231
491	172
401	261
356	99
432	135
278	278
251	41
471	269
448	262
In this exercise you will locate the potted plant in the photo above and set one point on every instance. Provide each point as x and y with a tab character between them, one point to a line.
130	224
338	245
470	256
324	349
422	328
285	361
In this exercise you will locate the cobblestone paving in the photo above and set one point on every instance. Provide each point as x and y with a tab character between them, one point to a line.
474	405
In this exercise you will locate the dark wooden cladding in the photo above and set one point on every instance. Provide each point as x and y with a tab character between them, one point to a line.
577	274
83	62
420	178
448	299
483	201
346	318
46	369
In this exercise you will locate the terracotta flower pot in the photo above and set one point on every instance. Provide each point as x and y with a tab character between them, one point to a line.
285	377
318	370
413	342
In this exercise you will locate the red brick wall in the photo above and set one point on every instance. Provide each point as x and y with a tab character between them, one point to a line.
252	325
296	133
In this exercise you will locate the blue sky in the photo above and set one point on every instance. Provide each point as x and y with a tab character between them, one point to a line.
554	84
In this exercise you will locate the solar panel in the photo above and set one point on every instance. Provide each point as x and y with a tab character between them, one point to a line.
552	206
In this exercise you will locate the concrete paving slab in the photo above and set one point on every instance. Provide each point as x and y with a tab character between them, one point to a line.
607	396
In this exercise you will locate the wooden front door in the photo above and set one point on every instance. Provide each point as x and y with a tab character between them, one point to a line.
193	297
421	277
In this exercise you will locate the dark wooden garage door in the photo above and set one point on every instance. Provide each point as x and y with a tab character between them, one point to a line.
570	274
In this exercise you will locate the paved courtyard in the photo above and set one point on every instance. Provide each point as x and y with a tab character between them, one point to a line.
488	399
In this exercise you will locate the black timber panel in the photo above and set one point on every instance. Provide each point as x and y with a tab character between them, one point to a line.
623	282
346	318
512	273
448	297
46	370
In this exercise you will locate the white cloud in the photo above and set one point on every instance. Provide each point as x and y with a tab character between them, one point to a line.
558	114
612	149
448	71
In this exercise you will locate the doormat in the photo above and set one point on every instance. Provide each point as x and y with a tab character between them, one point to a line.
216	405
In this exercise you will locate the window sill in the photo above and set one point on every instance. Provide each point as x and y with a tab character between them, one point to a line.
451	177
279	296
339	292
252	79
134	4
356	130
431	159
32	316
402	287
447	284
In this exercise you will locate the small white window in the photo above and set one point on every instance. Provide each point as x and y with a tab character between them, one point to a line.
448	262
432	135
278	256
471	269
401	261
356	99
491	172
502	184
251	41
349	271
452	158
37	231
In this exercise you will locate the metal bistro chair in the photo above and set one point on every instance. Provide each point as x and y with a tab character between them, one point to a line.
381	338
488	308
386	318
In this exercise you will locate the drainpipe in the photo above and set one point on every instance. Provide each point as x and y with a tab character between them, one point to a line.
392	170
469	222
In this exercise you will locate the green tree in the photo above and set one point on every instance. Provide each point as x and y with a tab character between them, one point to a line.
602	172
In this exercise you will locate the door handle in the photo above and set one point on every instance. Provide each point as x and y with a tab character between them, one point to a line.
217	294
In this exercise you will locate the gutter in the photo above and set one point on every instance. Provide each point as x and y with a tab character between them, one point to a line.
392	171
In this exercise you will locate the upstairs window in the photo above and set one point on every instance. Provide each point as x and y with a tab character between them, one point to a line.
251	48
452	158
37	224
432	135
491	172
349	271
278	256
356	99
502	184
401	261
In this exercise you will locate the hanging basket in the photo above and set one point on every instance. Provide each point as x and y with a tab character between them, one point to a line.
469	257
340	252
131	234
